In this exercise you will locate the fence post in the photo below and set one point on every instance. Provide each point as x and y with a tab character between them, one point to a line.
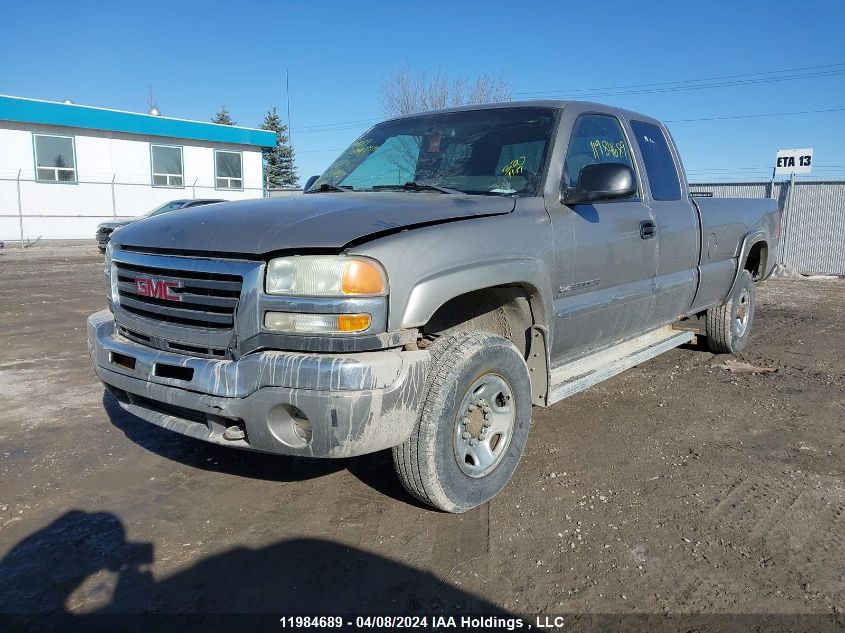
787	220
20	207
113	204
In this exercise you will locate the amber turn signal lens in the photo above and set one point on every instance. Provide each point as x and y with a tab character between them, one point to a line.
361	278
353	322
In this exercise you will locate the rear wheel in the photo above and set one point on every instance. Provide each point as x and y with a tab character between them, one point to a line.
473	426
729	325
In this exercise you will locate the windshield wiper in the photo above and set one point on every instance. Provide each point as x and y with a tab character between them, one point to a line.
326	186
413	185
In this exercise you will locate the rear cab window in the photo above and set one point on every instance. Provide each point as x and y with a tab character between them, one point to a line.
663	180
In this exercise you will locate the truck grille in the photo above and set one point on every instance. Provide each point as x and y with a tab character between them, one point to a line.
198	299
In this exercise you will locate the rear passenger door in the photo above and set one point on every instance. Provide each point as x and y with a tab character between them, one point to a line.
604	287
676	220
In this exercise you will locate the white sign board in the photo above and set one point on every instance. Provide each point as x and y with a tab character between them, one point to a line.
794	161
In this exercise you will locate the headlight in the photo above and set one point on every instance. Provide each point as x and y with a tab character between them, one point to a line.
111	276
320	276
107	271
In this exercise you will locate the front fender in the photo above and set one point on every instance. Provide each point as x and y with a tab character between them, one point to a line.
428	266
430	293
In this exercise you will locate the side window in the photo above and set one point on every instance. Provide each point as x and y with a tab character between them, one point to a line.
663	177
596	138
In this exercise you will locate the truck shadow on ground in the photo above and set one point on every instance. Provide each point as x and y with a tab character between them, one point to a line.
375	470
46	573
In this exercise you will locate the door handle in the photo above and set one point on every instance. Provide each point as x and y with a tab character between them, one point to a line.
648	229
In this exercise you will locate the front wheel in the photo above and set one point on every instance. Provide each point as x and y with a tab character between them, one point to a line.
728	326
473	426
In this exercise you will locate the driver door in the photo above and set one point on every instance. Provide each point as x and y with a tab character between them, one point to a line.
605	272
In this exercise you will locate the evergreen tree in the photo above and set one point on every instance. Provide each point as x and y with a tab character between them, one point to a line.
278	161
223	117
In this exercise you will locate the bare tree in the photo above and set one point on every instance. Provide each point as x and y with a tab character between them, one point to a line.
404	93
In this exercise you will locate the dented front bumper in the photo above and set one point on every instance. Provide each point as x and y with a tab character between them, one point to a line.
312	405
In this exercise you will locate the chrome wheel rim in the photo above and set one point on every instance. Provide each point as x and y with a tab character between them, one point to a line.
743	311
484	425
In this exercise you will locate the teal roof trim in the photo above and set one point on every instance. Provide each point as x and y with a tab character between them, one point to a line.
72	115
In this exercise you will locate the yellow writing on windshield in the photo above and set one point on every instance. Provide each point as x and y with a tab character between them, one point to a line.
365	146
514	167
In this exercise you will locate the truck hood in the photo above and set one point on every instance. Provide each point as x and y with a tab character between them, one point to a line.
318	220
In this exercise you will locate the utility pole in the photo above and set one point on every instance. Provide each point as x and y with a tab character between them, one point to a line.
113	200
20	207
287	94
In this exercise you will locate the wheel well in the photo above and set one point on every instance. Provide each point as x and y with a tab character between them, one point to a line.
755	263
502	310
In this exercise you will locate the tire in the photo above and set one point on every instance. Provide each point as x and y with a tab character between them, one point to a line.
473	425
728	326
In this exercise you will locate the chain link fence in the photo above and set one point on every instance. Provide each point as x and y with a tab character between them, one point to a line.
32	210
283	193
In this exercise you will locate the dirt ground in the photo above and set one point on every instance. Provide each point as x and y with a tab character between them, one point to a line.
676	487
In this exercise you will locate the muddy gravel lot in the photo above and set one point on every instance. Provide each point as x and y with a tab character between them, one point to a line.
676	487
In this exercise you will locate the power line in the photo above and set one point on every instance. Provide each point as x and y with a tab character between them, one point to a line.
700	79
349	125
720	84
753	116
322	125
763	172
834	69
315	151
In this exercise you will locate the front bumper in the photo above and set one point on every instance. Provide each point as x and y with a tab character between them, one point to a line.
312	405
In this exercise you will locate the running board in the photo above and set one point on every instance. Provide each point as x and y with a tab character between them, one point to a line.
571	378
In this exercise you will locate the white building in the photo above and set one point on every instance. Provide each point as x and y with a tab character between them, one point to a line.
64	167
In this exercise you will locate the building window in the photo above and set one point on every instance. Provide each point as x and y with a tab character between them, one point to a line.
167	165
228	170
55	158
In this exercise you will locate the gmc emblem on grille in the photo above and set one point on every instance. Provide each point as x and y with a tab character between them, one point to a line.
157	288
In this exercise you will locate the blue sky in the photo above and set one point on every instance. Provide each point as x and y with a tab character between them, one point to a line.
200	55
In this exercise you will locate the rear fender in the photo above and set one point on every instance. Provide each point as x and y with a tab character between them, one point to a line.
748	242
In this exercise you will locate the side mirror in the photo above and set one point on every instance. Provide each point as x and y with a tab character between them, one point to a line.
601	181
310	182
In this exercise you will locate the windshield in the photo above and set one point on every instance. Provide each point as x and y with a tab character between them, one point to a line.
167	206
491	152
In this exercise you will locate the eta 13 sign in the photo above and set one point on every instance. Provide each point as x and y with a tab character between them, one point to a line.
794	161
